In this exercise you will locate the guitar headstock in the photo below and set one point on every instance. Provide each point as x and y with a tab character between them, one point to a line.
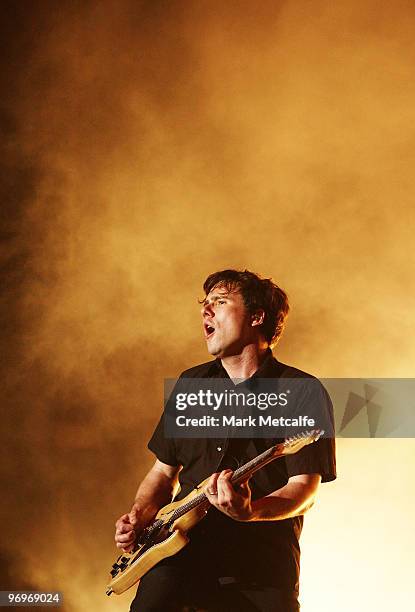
295	443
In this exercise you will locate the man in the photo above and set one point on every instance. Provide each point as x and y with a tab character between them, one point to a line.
244	556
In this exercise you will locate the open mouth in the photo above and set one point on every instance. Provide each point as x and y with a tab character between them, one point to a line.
209	330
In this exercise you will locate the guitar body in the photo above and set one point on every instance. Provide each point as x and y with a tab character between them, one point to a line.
134	565
167	540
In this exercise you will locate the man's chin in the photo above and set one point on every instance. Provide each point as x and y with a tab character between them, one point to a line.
221	353
213	350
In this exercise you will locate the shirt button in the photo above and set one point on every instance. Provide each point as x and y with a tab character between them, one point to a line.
218	448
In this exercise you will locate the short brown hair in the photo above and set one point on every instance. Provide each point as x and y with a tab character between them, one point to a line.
258	294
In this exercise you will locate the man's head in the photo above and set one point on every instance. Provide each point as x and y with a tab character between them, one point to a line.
241	308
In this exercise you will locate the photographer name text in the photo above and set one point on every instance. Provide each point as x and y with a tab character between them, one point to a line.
250	421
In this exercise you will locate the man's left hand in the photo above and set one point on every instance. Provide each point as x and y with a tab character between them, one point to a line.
222	495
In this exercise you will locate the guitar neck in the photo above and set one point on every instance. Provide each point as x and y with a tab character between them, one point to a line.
249	468
242	473
288	447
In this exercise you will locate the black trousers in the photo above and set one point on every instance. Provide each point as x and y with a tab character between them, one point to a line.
187	582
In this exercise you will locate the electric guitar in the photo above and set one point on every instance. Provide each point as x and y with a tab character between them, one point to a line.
167	533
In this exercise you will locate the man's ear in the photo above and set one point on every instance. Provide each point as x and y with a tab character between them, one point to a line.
258	318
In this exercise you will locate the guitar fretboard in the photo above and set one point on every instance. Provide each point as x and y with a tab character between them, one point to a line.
251	466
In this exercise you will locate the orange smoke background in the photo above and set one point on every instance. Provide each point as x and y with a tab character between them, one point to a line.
146	145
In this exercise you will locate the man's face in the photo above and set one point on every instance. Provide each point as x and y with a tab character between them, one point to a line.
226	322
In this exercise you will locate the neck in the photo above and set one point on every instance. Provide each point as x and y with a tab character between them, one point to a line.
245	364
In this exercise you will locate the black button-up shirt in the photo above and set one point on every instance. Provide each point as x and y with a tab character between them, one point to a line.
271	553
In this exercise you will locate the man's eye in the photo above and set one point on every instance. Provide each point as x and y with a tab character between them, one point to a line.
221	302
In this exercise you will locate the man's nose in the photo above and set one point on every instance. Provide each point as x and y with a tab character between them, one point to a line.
207	310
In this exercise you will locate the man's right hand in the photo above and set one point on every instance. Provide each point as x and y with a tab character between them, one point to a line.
127	528
156	490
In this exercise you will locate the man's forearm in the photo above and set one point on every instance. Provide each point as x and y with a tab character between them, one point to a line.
293	499
272	508
155	491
